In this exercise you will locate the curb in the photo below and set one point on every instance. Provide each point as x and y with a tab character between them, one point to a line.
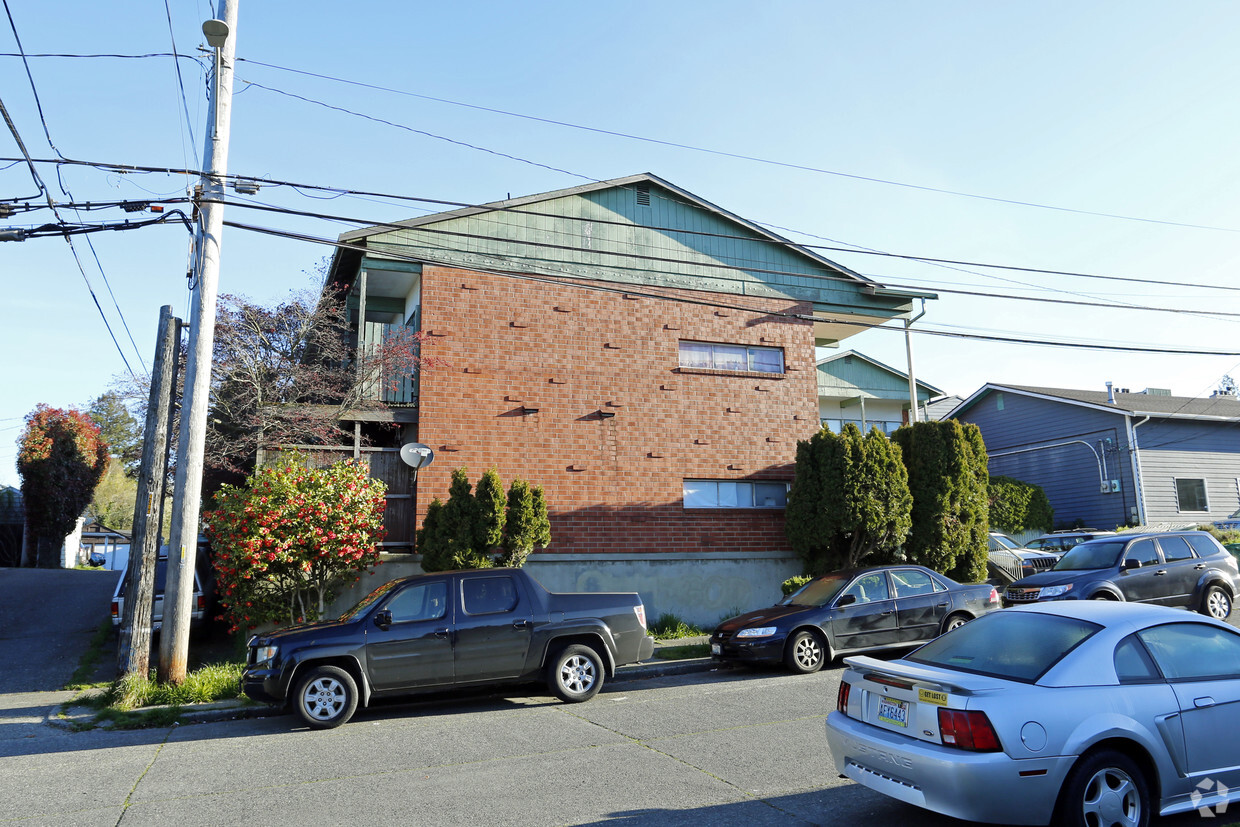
78	718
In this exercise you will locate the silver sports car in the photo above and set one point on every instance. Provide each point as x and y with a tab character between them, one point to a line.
1081	713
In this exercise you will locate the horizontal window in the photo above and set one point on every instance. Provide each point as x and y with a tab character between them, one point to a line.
735	494
709	356
888	427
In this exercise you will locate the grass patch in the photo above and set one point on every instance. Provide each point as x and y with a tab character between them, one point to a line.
213	682
693	650
89	662
670	627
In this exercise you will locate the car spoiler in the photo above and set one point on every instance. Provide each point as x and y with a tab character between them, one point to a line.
926	677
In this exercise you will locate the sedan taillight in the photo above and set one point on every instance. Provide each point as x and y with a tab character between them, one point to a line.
841	698
640	610
967	729
994	595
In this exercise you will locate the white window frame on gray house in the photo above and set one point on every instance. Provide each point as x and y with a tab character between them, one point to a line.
1179	499
735	494
718	356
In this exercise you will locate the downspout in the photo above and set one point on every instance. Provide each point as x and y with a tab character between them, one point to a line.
912	380
1135	454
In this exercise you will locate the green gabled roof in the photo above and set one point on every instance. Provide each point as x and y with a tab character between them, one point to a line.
854	374
639	230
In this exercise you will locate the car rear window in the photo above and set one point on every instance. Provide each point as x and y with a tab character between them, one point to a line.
1015	645
1203	543
1095	554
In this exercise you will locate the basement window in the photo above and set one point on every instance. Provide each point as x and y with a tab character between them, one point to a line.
734	494
711	356
1190	495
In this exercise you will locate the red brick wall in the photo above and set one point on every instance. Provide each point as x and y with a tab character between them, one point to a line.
612	485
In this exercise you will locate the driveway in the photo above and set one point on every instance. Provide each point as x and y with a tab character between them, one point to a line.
47	619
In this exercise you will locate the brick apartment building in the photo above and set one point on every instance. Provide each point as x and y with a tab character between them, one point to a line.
645	356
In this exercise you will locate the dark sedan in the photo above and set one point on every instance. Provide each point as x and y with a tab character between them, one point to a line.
850	611
1188	569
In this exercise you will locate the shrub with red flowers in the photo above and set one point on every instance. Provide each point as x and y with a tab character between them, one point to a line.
292	537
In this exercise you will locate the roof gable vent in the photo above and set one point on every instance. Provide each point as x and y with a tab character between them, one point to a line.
643	194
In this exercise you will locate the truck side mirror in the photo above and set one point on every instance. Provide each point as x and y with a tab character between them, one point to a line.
383	619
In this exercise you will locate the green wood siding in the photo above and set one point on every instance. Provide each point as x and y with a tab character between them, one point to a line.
860	377
583	239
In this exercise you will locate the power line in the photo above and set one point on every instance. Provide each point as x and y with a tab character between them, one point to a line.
559	279
125	168
742	156
718	265
39	106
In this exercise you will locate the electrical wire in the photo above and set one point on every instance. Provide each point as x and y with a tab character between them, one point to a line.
127	168
76	258
629	254
744	157
561	280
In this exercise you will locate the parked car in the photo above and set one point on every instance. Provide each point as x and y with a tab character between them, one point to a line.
1007	560
879	607
1188	569
1059	713
1060	541
198	604
1232	522
437	631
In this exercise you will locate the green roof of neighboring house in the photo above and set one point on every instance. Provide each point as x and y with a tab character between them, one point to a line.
852	374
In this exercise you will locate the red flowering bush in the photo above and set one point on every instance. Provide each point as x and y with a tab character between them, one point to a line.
292	537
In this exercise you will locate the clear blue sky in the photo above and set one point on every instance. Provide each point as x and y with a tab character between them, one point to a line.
1126	108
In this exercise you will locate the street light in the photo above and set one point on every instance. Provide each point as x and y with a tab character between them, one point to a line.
216	32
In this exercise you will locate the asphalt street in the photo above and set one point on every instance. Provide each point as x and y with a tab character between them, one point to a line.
724	747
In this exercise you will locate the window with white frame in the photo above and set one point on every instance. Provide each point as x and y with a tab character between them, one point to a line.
1190	494
711	356
735	494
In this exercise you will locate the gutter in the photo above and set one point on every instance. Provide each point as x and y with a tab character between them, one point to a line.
1134	452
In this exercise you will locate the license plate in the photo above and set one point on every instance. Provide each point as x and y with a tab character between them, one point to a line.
716	649
893	712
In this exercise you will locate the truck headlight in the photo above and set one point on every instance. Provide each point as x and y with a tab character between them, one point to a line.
266	653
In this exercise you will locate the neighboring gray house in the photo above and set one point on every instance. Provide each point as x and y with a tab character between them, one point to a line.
852	387
1112	458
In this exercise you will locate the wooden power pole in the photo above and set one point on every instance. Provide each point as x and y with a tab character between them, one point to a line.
134	653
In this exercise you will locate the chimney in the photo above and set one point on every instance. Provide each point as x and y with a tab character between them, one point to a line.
1110	394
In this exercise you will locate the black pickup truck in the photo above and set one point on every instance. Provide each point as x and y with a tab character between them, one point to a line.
433	632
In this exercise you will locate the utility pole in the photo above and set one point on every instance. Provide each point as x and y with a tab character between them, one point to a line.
134	651
183	547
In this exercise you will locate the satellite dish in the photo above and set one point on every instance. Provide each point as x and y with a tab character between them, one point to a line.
417	455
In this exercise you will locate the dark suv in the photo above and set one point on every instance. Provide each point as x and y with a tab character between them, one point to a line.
1172	568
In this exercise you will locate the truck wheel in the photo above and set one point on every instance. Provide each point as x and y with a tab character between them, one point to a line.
326	697
575	674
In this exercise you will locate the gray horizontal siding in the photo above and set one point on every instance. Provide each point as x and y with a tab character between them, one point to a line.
1159	470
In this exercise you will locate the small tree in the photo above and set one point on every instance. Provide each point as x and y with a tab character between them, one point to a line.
292	537
1017	506
454	541
489	495
119	430
947	476
61	458
527	523
849	500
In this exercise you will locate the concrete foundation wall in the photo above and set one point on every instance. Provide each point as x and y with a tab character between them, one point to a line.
701	588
